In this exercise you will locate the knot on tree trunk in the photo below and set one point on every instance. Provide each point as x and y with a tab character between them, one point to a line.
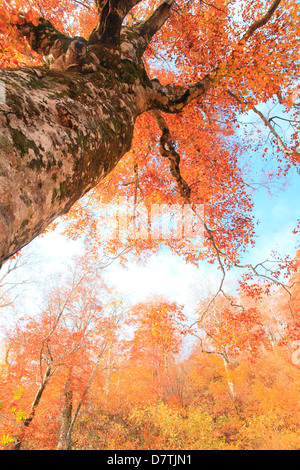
75	58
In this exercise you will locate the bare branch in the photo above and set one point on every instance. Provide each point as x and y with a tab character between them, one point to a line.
267	123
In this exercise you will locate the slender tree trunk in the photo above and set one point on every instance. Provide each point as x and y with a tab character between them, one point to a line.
230	384
65	442
109	367
31	414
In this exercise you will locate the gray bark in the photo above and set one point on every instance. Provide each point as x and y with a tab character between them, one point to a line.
60	134
63	129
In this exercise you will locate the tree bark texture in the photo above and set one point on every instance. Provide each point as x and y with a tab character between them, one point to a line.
60	135
65	442
65	127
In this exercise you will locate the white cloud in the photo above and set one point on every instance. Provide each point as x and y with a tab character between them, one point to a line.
164	274
55	251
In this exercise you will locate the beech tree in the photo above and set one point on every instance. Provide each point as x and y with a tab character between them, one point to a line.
65	125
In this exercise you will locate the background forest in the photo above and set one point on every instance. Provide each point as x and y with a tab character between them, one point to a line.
89	371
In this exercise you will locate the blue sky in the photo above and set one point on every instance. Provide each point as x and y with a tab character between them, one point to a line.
277	217
276	203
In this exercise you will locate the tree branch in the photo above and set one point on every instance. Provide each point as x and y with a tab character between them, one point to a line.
167	150
172	99
149	27
267	123
261	22
44	38
100	4
135	38
85	5
111	16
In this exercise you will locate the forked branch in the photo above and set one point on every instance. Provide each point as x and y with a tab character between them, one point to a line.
172	99
148	28
111	16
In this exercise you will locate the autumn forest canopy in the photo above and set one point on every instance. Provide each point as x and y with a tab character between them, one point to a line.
136	127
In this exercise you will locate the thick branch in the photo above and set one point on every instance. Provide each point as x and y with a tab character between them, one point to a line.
148	28
134	39
44	38
112	14
167	150
172	99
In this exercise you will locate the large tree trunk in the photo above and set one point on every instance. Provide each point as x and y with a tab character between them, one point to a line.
64	128
60	135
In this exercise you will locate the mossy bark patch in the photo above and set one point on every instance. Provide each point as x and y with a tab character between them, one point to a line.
22	143
45	167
